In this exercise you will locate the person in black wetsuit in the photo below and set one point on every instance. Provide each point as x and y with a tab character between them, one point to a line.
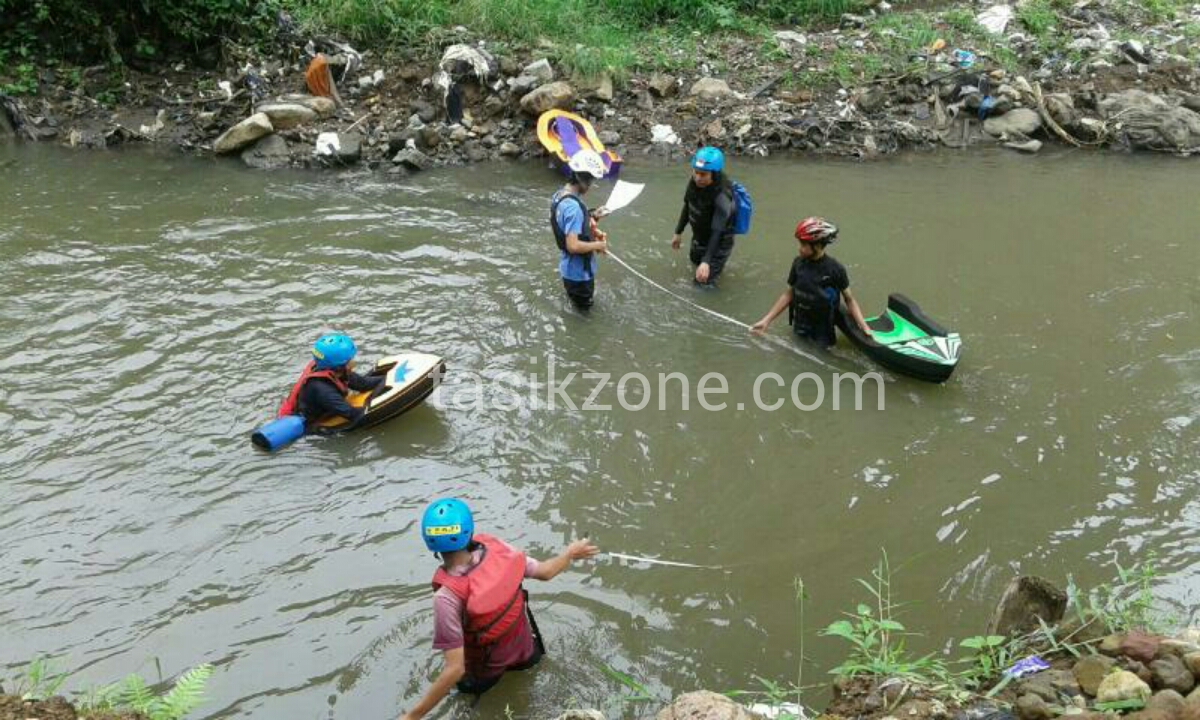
326	380
709	207
817	285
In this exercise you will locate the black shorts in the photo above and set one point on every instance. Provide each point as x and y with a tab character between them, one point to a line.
720	257
580	292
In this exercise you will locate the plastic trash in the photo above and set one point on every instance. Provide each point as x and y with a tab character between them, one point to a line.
964	58
1028	666
995	18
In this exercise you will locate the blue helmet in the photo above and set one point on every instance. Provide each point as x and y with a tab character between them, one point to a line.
447	525
708	159
333	351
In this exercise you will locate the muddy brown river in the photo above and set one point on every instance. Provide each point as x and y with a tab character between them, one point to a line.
156	308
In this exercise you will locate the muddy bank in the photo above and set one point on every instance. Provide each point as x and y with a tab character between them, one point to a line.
1095	74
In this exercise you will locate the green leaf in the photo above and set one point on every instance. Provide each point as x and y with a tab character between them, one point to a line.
864	609
891	625
973	643
840	628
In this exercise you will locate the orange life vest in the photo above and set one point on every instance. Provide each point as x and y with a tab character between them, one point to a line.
291	405
492	596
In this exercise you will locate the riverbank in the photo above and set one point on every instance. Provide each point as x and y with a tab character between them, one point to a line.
1093	74
1047	653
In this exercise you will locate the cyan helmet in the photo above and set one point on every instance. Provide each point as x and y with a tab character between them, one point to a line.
708	159
447	525
333	351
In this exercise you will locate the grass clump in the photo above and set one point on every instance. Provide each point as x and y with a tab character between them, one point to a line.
1038	17
1125	604
40	680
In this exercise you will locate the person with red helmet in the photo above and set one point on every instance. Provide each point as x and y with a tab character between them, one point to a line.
817	287
481	616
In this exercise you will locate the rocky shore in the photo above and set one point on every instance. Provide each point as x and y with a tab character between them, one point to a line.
1092	74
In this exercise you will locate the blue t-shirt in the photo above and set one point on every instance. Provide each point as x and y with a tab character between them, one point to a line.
569	218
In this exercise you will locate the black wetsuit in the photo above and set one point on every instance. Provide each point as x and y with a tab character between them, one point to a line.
817	287
711	212
320	398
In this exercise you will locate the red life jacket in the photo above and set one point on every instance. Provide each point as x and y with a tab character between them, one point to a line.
290	406
492	596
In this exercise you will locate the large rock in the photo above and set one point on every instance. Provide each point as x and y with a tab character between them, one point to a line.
287	115
1140	646
710	89
1040	685
1033	707
1150	122
663	86
1028	597
413	159
341	148
1019	121
268	153
540	71
1167	703
322	106
705	705
555	95
1122	685
1091	670
599	87
1170	673
242	134
1192	661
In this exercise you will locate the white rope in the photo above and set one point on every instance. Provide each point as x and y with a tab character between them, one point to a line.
653	561
716	314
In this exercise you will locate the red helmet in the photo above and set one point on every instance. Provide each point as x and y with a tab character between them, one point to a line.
815	229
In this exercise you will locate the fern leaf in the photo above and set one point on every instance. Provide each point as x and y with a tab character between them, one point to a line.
185	696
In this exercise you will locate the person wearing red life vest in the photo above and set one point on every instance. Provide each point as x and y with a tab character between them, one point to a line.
482	622
326	380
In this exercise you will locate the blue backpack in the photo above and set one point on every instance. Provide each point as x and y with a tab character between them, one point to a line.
744	209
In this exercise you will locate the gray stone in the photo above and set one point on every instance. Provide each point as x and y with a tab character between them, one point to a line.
459	134
413	159
340	147
1063	681
1018	122
1032	707
597	88
705	705
555	95
1028	597
1122	685
242	134
871	101
609	137
1149	121
522	84
1170	673
1090	670
1178	648
791	42
475	151
425	112
710	89
287	115
1111	645
1028	146
663	86
428	137
540	71
509	149
268	153
1192	662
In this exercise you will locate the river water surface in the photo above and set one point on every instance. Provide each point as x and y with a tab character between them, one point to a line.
156	309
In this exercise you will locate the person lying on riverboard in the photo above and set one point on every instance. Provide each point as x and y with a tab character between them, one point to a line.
816	285
575	231
326	381
481	617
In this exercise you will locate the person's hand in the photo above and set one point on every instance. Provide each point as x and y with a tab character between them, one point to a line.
603	249
600	212
676	241
409	716
702	273
582	549
760	327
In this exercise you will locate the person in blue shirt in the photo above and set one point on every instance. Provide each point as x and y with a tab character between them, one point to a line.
575	230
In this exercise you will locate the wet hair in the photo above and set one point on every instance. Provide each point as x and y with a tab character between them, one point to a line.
583	180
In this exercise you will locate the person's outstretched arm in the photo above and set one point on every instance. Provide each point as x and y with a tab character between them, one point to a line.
855	312
453	668
578	550
781	303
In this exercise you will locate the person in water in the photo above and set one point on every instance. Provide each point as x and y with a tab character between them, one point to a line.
709	207
817	286
326	381
575	230
481	616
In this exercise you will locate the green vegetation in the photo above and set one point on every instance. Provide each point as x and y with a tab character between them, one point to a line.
40	681
1038	17
1125	604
